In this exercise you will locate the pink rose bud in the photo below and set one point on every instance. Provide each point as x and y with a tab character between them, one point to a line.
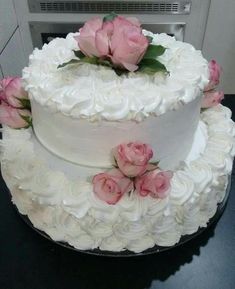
11	91
212	98
111	186
87	38
132	158
215	71
155	183
14	117
128	45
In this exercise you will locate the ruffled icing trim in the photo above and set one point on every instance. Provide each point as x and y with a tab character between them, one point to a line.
96	92
67	210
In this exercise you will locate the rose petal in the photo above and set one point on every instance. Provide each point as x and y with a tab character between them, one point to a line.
102	42
215	71
130	67
134	21
212	98
12	116
86	38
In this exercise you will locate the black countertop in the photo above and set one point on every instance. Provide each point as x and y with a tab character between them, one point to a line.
28	261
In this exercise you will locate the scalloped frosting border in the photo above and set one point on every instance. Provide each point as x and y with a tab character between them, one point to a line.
69	211
103	94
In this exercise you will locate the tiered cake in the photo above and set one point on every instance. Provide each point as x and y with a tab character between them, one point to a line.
117	160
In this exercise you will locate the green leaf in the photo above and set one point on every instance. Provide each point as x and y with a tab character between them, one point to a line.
150	38
85	59
152	166
105	62
119	72
155	163
110	17
28	119
72	61
25	102
154	51
79	54
91	60
151	66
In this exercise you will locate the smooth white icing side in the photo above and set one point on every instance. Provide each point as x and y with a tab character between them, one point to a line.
90	143
96	92
67	209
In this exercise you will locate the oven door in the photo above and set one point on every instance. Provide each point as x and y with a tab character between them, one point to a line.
44	32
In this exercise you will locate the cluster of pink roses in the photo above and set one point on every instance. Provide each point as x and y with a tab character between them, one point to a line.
211	96
121	40
133	172
14	103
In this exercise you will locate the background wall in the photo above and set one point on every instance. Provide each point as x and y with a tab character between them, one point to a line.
8	22
12	58
219	40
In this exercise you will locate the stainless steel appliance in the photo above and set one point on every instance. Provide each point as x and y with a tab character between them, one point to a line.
42	20
44	32
124	6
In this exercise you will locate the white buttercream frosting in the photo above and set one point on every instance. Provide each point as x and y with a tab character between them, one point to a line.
89	143
67	210
96	92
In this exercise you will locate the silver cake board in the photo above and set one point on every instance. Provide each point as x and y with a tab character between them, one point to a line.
126	253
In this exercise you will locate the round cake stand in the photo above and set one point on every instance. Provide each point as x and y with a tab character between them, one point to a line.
153	250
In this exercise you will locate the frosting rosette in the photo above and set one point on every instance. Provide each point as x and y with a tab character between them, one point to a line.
70	211
96	92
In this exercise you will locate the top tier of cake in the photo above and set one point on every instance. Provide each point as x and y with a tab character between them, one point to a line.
81	112
97	92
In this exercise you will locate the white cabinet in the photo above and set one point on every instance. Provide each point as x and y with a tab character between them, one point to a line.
12	59
219	40
8	22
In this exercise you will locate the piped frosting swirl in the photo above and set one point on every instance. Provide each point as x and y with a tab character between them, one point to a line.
96	92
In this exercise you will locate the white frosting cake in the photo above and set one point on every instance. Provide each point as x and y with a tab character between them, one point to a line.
127	104
97	92
58	197
82	112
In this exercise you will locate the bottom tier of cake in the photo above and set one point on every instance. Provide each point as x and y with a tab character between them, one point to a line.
58	199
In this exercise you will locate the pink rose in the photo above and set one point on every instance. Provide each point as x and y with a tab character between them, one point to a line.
105	34
121	40
212	98
13	117
87	37
11	91
128	45
155	183
111	186
132	158
215	71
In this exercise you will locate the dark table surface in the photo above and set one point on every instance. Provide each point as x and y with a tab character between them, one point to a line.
28	261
